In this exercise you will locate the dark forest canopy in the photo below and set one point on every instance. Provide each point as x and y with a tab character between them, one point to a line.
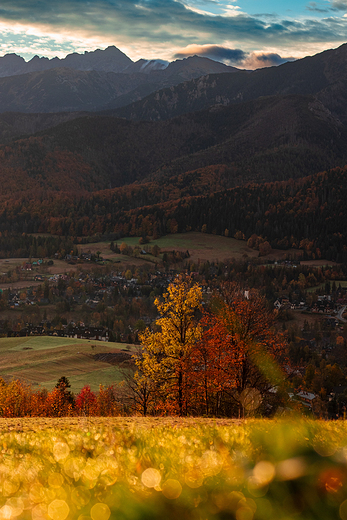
308	213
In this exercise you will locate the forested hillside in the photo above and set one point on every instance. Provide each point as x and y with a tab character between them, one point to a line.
268	139
308	213
248	165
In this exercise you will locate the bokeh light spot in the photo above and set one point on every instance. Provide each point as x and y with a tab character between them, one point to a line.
171	489
291	469
9	487
17	506
324	446
194	478
244	513
151	477
211	463
100	512
80	496
58	510
55	480
60	451
264	472
39	512
6	513
73	467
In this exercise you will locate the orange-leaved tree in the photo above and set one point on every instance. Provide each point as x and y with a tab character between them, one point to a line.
166	350
240	358
107	401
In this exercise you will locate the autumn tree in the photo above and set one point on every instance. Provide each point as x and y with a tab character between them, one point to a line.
15	399
56	404
86	402
140	393
107	401
166	350
240	352
123	248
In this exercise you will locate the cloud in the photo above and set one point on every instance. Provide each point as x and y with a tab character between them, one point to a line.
214	52
262	60
142	25
234	57
227	10
339	5
313	7
152	19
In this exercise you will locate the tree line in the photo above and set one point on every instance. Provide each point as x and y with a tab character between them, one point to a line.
308	214
18	399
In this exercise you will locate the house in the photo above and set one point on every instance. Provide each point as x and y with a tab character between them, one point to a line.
306	398
283	303
91	333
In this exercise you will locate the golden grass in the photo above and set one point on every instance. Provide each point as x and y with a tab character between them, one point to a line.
153	468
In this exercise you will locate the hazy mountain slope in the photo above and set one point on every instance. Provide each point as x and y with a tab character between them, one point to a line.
59	90
175	73
183	86
14	125
66	89
271	138
323	75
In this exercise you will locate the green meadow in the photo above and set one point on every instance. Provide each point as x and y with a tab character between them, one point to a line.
42	360
199	245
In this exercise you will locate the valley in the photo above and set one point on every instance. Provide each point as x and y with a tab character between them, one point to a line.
119	176
173	260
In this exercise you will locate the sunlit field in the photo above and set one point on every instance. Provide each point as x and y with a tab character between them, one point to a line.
167	468
42	360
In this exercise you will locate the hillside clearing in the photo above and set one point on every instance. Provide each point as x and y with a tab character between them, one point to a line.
42	360
201	246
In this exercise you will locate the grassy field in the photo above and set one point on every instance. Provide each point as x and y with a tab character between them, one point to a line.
58	267
42	360
321	287
201	246
192	469
319	263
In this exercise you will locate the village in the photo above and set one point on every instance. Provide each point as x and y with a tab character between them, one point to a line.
99	287
95	300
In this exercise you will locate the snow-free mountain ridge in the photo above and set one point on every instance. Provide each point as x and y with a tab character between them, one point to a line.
108	60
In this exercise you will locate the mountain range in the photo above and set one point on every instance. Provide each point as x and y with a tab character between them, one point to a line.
92	81
323	76
108	60
76	135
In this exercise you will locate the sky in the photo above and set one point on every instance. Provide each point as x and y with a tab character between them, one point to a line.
242	33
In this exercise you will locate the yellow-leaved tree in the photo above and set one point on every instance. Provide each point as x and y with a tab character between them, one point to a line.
166	350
